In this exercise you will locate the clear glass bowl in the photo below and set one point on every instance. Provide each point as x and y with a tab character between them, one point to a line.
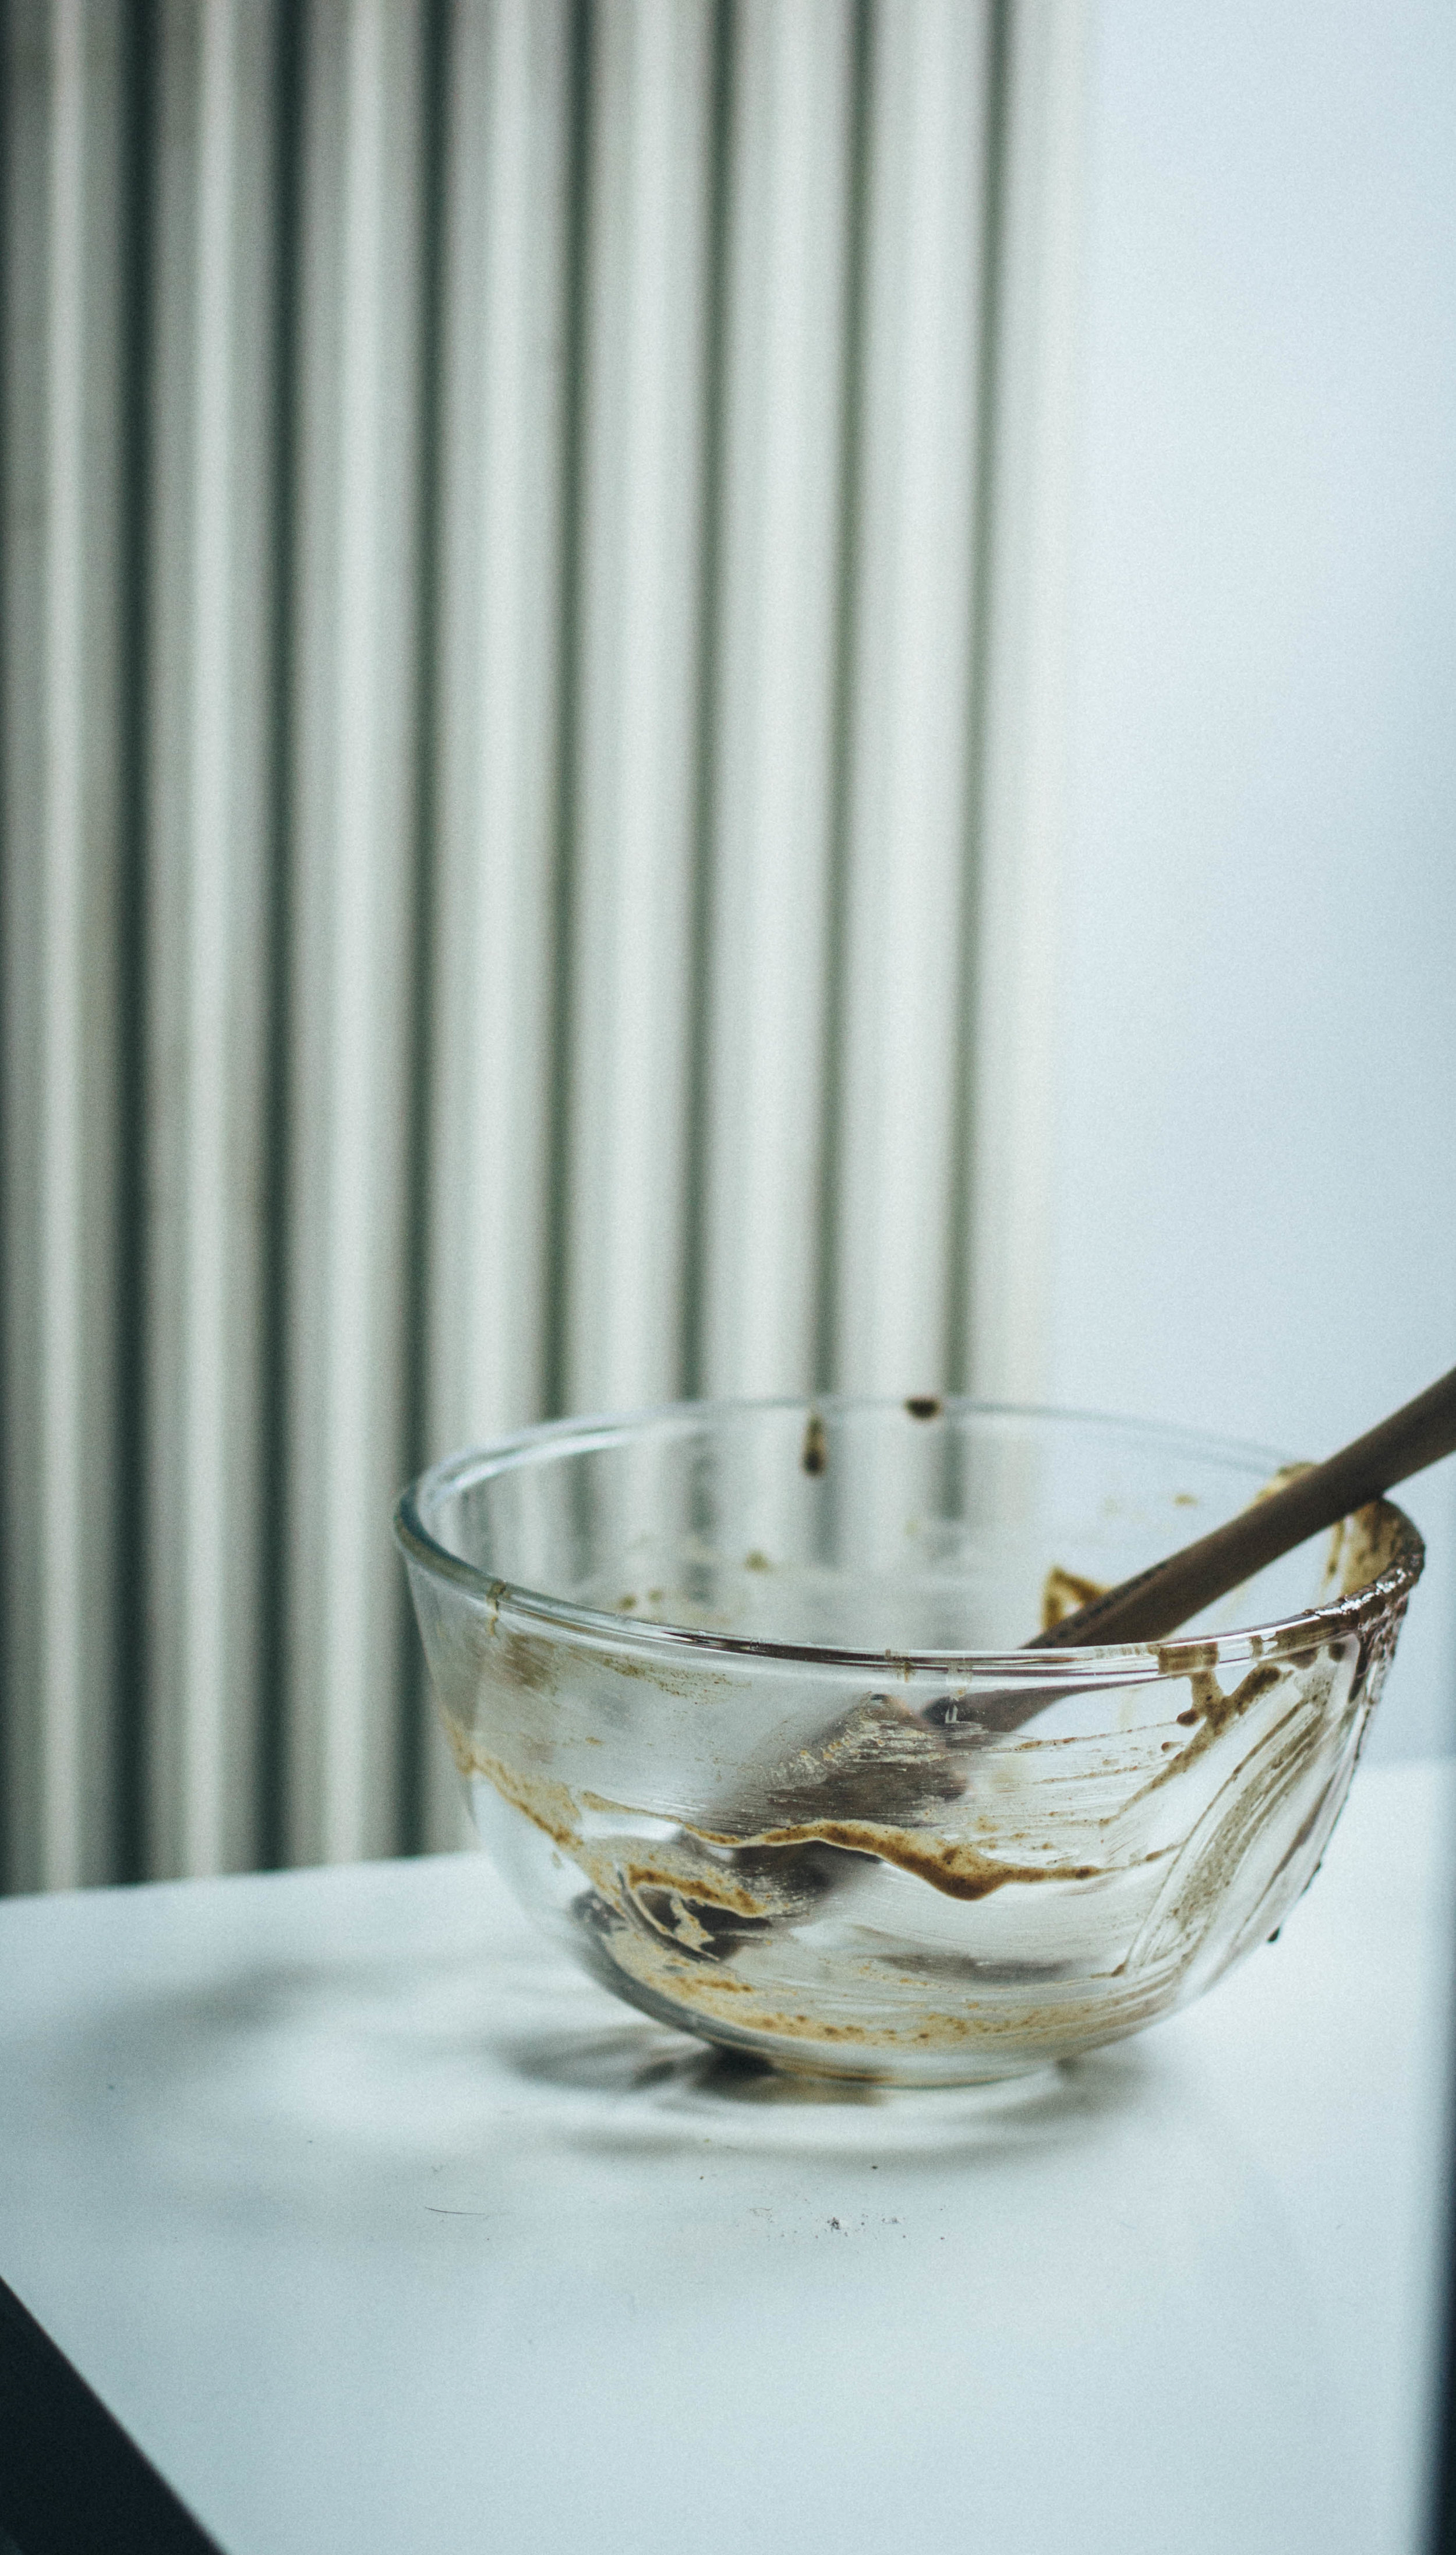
737	1697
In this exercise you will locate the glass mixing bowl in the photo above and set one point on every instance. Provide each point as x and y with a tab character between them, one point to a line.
736	1694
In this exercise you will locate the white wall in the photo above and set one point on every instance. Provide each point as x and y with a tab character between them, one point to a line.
1255	1187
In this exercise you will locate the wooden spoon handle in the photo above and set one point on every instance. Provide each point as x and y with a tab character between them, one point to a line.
1157	1600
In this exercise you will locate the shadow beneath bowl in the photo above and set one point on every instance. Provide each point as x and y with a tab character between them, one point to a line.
641	2084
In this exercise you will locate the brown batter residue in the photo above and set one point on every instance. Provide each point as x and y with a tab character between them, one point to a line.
960	1871
1063	1593
1210	1713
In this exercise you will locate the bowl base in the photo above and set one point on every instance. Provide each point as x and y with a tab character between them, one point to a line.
810	2064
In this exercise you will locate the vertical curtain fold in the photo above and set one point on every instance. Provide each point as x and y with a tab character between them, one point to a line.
527	565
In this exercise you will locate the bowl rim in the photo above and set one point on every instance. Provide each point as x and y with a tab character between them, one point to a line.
1124	1662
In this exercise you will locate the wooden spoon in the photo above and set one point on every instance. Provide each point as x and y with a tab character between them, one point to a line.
1157	1600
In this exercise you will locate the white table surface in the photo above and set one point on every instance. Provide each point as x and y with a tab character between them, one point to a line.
379	2229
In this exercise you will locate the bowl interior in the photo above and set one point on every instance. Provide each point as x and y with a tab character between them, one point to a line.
920	1528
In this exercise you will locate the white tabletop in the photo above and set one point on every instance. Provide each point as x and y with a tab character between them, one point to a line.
379	2229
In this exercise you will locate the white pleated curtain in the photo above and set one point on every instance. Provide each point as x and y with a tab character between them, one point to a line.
532	595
